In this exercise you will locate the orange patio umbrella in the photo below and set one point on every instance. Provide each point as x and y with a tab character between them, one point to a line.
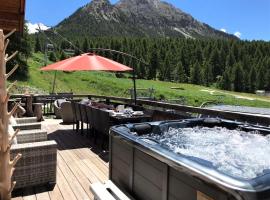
89	62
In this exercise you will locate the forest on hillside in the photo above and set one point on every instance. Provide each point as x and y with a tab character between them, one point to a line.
242	66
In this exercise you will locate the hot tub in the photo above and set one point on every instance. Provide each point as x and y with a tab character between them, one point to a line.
148	165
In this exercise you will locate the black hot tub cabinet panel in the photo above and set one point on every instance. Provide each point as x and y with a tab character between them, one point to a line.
149	172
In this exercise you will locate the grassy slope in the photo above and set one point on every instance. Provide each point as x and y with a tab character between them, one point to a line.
108	84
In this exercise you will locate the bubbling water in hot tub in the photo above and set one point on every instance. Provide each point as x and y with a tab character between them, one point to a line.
234	152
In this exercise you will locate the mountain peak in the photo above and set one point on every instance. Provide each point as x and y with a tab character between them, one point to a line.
138	3
150	18
100	3
153	2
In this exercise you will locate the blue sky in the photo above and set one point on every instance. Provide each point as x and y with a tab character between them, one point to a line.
250	18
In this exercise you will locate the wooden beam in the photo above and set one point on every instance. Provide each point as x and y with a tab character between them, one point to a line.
12	15
22	16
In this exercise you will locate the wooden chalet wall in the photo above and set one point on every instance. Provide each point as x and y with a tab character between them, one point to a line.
12	15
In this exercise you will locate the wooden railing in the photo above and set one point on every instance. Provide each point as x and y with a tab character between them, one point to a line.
48	100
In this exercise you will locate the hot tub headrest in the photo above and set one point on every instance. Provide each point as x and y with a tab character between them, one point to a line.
142	129
212	121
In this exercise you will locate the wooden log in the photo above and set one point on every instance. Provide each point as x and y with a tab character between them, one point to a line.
38	111
29	105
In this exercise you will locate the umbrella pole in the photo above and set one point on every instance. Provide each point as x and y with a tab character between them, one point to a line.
134	87
54	81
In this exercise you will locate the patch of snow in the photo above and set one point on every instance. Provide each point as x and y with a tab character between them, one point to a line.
182	32
33	28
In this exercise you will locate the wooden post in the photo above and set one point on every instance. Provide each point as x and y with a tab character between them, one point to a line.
6	166
29	105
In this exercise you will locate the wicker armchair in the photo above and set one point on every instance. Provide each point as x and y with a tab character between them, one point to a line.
57	107
67	112
56	110
38	164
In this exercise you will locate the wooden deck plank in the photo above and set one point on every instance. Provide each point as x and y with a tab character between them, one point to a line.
56	194
86	153
43	196
88	171
82	179
30	197
17	198
79	182
71	158
64	187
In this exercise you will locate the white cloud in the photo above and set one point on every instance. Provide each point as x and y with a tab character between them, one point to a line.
237	34
223	30
32	28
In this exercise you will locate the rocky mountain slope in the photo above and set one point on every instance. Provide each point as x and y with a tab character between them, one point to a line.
139	18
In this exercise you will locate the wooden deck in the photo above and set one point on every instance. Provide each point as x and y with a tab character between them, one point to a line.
79	163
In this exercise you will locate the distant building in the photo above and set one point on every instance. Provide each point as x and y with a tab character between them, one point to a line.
50	47
260	92
263	93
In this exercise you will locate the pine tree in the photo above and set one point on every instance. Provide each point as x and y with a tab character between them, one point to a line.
77	49
37	45
222	57
252	80
85	45
267	76
154	65
182	78
235	51
167	68
64	45
52	57
22	44
238	79
225	82
207	74
230	60
198	53
63	56
267	82
195	74
261	78
215	63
